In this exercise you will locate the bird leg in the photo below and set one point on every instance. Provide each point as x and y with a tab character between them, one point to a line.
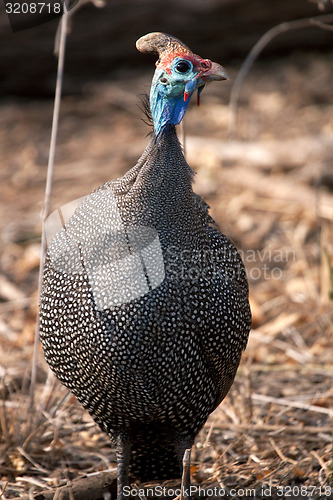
186	477
123	459
183	449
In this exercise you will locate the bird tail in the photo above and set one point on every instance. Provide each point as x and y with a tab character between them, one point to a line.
154	454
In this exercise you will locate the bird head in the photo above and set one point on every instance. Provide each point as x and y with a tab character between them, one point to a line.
178	74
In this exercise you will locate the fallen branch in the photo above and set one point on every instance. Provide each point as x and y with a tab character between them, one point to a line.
292	404
269	154
90	487
283	429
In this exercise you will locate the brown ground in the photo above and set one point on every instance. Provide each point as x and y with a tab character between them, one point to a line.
271	193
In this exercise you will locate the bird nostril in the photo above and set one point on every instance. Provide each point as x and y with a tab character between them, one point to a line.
206	64
163	80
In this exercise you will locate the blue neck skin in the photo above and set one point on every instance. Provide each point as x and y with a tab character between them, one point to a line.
167	102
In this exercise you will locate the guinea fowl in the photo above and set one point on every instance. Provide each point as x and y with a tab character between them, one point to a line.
144	311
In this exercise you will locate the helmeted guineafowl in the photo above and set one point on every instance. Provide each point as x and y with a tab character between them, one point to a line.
144	311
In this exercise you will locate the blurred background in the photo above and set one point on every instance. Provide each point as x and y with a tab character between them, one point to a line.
270	189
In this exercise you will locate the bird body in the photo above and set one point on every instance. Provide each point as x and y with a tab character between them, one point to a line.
144	311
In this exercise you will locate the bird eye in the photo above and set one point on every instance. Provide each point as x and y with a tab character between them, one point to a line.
183	66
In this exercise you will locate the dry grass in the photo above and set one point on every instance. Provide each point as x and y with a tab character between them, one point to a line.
272	194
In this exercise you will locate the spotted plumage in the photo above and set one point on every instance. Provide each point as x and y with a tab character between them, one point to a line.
144	311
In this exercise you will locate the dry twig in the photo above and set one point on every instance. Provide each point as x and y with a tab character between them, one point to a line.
257	49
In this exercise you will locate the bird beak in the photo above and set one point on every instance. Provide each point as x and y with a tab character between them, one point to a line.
215	72
208	72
